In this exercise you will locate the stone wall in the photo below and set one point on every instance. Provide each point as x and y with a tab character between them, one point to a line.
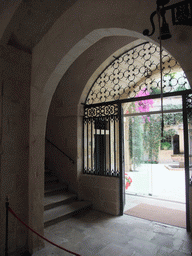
102	191
62	131
60	164
165	156
15	78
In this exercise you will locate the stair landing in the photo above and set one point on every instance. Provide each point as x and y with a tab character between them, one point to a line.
60	204
63	212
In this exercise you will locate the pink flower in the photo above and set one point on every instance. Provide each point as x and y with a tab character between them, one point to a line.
127	185
128	181
143	105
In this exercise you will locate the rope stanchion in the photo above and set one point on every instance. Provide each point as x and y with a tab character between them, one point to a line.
47	240
7	222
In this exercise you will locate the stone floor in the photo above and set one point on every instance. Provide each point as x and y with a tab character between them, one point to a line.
100	234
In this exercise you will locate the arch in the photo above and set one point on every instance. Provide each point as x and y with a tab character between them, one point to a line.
42	91
52	57
99	157
143	57
136	69
45	79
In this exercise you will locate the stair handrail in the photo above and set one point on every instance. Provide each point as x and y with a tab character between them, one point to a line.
60	150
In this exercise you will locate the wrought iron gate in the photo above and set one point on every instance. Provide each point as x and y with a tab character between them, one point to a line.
133	74
101	140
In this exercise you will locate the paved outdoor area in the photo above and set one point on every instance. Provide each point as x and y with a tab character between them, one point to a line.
99	234
158	181
134	200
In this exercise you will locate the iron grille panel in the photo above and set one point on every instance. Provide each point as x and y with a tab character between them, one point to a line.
101	140
135	70
101	111
182	14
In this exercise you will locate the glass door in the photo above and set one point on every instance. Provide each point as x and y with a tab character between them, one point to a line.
187	120
142	140
154	164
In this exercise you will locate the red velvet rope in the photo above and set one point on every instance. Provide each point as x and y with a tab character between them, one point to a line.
11	211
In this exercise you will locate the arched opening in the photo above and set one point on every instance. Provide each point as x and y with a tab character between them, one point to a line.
55	52
126	127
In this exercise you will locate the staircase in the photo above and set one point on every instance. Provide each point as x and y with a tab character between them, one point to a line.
59	203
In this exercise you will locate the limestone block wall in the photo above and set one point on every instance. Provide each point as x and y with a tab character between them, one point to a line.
15	77
102	191
70	36
165	156
61	166
61	130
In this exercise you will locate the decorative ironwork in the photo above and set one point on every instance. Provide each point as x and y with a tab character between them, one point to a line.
181	15
135	73
101	140
135	70
102	111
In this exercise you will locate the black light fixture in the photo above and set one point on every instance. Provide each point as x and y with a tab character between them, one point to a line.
181	15
164	29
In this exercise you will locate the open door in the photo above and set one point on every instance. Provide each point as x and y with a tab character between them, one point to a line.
122	162
187	122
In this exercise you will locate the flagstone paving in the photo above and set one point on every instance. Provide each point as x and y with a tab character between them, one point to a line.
100	234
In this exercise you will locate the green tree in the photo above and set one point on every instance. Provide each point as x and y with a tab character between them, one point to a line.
152	137
135	141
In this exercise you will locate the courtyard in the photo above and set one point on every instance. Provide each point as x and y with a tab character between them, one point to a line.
163	181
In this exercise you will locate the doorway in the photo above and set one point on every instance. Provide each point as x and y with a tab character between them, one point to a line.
155	136
154	153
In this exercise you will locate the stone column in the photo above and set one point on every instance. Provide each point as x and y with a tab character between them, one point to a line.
14	142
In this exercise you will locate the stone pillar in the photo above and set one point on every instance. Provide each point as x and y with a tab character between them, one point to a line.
15	78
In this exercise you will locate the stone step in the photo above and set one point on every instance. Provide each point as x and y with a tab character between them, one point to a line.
52	201
63	212
49	183
52	189
51	179
48	172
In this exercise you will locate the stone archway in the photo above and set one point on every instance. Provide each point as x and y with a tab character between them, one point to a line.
52	57
39	121
97	95
58	49
40	103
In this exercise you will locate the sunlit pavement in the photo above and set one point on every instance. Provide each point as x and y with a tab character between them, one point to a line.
158	181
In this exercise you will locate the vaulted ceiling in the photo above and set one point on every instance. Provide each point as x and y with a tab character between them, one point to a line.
33	19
